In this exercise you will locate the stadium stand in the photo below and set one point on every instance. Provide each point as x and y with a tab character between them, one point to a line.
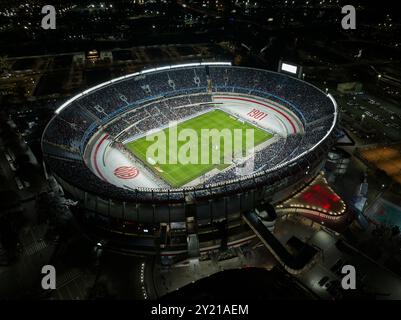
133	105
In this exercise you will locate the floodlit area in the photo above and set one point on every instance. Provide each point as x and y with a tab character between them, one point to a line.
239	151
216	141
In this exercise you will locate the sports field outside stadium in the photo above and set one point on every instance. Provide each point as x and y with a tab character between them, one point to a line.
178	174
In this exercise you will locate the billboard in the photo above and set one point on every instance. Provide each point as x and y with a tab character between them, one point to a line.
290	69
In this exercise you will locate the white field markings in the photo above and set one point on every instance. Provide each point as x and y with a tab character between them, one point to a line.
205	144
172	173
166	126
196	174
238	146
142	153
273	122
214	171
114	158
169	174
202	178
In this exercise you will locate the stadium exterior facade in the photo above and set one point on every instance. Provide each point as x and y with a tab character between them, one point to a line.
161	220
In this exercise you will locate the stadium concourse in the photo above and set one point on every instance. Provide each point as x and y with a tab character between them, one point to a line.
95	146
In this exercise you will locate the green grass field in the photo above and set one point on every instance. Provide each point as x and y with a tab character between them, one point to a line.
180	174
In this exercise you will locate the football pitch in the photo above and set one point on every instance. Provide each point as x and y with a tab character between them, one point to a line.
179	174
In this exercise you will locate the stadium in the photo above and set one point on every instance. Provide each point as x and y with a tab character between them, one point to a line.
96	147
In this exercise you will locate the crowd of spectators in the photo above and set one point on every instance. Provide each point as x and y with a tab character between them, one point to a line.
305	100
157	114
63	134
136	105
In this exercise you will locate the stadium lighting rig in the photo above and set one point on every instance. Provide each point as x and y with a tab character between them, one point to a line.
145	71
